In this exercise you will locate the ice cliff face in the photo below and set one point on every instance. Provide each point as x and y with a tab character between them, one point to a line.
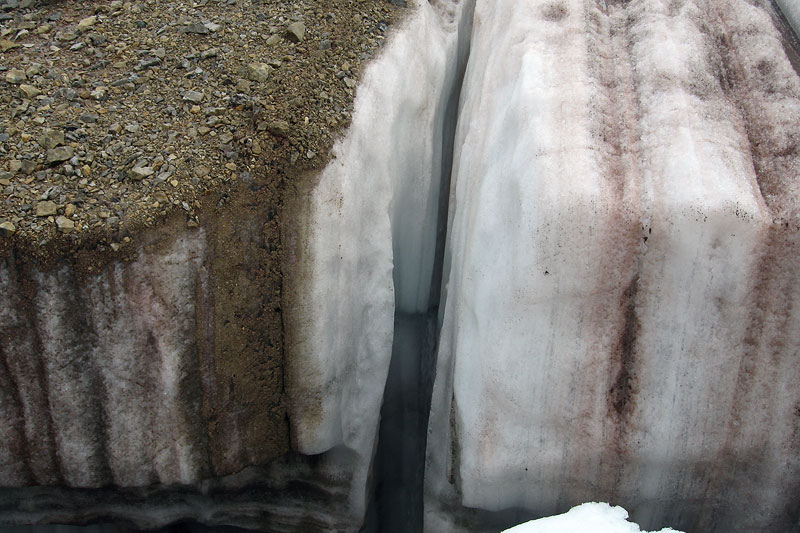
571	277
619	320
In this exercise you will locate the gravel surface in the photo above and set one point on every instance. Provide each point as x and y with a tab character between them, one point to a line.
115	115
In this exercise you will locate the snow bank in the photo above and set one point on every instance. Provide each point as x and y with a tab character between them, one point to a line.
588	517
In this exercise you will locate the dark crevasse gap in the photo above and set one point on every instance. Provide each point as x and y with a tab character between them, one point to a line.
396	503
399	463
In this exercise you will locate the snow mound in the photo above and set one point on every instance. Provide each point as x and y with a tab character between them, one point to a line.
588	517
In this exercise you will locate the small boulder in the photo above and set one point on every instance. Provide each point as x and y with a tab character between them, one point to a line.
193	96
258	72
7	229
140	173
296	31
64	224
280	128
60	154
29	91
51	138
46	208
87	23
16	76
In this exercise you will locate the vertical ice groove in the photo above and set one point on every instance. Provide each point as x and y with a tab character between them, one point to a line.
767	93
503	291
95	367
21	351
708	220
14	468
72	380
170	327
150	437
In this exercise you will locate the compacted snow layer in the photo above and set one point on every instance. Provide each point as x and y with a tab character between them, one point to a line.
587	517
619	319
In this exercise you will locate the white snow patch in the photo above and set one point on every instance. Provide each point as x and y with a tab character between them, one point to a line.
585	518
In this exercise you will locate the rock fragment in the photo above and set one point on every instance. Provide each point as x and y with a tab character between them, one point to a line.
60	154
195	27
51	138
64	224
258	72
139	173
87	23
29	91
7	229
46	208
296	31
193	96
6	45
15	76
281	128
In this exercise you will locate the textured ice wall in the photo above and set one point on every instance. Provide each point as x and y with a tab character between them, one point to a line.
124	396
96	373
619	318
373	212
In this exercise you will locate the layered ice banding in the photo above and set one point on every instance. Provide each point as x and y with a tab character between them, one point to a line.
569	277
619	320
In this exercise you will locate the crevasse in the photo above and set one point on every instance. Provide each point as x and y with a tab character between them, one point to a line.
383	201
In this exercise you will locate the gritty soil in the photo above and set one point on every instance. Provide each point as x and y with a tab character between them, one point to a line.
115	116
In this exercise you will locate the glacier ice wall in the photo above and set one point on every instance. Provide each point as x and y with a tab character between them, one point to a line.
616	321
77	408
149	390
619	321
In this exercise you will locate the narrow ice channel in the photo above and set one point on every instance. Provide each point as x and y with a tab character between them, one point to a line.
383	199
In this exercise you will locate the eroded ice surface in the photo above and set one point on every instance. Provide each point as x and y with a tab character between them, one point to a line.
588	518
77	408
623	214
